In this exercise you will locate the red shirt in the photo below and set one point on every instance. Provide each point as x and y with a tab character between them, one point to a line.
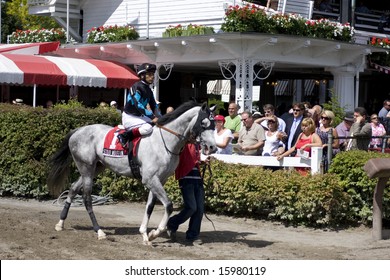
189	158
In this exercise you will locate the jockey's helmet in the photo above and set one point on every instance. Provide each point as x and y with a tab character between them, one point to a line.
146	67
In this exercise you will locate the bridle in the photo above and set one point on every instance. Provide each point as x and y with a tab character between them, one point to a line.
195	132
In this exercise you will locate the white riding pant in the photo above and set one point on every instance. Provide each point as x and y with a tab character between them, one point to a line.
130	122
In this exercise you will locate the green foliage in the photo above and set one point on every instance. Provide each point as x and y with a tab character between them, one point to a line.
38	35
18	9
219	103
29	136
334	105
112	33
254	19
348	166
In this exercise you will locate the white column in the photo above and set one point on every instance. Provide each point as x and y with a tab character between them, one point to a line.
344	86
244	84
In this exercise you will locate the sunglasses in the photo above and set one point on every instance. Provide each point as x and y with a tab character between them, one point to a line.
325	118
374	118
296	110
271	122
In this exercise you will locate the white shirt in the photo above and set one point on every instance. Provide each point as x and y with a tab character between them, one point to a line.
219	139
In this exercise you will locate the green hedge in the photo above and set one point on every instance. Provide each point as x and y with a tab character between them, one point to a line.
29	136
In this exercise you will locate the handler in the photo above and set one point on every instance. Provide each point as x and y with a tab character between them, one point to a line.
192	190
136	118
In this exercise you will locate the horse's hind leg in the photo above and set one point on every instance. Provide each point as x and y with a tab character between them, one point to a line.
75	189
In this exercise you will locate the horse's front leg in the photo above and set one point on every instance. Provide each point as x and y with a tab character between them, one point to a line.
168	207
145	221
87	198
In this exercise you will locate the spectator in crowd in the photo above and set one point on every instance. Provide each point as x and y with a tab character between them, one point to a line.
293	124
383	112
326	119
273	145
223	136
315	113
169	110
103	104
360	130
49	104
269	112
251	137
18	101
192	190
305	141
114	105
233	121
343	130
377	130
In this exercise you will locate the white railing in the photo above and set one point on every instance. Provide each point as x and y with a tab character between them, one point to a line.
314	163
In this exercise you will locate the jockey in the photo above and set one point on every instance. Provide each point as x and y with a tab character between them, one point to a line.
136	118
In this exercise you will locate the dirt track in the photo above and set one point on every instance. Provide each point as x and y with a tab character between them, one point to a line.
27	232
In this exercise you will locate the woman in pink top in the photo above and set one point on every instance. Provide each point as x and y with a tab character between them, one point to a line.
377	130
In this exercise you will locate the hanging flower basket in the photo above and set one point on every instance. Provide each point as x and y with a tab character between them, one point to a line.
112	33
189	30
251	18
37	36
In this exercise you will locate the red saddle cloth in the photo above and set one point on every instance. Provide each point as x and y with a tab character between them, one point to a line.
112	147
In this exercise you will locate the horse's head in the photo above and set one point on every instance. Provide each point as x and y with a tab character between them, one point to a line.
203	129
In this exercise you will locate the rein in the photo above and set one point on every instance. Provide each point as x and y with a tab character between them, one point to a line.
181	137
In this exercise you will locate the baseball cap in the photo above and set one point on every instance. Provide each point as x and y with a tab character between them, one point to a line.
113	103
219	118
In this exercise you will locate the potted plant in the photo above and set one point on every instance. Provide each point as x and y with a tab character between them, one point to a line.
111	33
38	35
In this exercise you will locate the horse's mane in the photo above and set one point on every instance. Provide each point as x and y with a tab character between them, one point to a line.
167	118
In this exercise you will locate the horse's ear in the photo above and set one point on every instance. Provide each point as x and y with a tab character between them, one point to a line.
204	106
212	109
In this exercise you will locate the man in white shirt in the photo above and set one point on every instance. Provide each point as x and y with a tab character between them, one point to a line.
269	112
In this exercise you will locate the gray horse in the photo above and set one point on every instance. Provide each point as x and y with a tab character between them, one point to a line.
158	157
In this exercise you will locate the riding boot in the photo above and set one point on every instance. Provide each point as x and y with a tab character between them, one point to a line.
128	136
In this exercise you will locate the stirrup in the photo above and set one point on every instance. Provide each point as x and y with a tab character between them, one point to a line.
122	139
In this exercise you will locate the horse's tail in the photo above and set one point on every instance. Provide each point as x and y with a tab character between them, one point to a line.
60	167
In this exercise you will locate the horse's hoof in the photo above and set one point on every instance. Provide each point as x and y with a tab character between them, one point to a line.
152	235
101	235
147	243
59	227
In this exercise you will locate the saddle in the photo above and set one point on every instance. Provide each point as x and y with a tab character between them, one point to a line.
112	148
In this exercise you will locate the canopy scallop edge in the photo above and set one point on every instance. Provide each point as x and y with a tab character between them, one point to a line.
52	70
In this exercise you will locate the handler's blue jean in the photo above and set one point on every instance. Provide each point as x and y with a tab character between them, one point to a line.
193	197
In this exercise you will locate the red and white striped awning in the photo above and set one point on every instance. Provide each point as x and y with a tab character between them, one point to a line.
30	48
51	70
